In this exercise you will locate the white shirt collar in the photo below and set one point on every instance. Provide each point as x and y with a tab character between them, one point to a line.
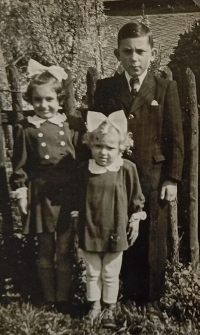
56	119
141	78
97	169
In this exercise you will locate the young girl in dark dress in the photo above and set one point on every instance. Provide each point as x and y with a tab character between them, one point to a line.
109	195
43	159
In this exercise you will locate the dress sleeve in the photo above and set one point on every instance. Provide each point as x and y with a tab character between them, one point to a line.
77	125
134	192
18	178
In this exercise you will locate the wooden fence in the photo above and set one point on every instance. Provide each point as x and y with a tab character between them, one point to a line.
187	212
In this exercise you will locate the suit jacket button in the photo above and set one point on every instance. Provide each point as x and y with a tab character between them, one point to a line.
131	116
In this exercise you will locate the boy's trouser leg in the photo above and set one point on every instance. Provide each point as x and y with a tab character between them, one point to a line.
110	276
64	264
46	265
93	263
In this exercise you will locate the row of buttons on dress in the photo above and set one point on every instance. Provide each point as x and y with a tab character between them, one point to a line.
43	144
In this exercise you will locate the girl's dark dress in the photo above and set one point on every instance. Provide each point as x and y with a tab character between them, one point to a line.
43	161
106	202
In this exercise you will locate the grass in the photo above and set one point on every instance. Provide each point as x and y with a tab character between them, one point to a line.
180	309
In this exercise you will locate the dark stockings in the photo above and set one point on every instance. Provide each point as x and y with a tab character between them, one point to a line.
55	265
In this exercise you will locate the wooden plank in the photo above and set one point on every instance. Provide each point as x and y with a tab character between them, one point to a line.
5	206
173	211
92	77
69	104
17	105
194	158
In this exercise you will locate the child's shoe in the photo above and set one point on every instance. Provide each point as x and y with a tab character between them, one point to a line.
94	312
108	318
49	306
63	307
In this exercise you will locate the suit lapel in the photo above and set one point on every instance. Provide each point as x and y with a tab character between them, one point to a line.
146	94
122	92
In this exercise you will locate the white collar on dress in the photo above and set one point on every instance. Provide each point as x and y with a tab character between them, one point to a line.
97	169
56	119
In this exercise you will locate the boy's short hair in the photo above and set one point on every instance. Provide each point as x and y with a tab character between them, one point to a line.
133	30
42	79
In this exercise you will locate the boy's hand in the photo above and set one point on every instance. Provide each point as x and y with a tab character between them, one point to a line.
22	204
169	190
133	231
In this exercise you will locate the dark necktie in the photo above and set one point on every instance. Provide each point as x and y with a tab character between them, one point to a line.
134	82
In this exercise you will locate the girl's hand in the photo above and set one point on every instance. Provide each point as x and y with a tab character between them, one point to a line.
22	204
133	230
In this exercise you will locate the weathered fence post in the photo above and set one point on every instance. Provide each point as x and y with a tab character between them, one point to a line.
194	145
69	100
17	105
5	207
187	92
173	213
4	192
92	77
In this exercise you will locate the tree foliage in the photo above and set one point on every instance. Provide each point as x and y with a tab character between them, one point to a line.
69	33
187	53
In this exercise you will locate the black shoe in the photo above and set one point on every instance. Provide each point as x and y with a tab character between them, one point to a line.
49	306
108	318
154	313
63	307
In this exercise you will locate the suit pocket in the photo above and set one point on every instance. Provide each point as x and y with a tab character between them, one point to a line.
158	155
159	158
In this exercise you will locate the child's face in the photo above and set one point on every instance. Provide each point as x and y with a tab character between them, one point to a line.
45	101
135	55
105	148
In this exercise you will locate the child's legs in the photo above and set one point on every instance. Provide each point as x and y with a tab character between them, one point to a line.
64	264
110	275
46	254
93	263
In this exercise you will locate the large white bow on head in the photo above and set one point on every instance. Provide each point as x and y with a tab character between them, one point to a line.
35	68
117	119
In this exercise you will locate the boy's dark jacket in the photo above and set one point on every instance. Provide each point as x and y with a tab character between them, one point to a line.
157	130
157	151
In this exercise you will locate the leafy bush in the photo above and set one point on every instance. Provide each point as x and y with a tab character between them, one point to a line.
187	52
69	33
182	296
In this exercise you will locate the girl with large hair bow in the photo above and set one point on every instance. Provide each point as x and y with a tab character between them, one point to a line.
43	162
110	204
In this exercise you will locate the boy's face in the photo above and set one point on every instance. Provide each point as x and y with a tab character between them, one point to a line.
45	101
135	55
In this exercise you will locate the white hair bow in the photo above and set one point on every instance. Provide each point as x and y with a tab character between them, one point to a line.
35	68
117	119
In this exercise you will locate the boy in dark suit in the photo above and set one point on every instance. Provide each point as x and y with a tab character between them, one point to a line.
152	108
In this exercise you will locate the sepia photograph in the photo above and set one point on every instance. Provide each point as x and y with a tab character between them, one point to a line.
99	167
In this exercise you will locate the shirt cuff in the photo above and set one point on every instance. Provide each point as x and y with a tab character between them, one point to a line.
20	193
74	214
139	215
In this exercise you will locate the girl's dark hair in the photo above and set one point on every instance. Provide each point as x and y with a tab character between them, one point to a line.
42	79
133	30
